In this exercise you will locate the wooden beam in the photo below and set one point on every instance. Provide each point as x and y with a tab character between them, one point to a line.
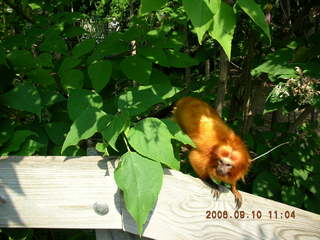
61	192
58	192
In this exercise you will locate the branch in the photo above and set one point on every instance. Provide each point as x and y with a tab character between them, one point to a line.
222	86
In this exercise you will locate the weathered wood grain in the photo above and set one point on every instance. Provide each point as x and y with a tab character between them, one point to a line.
181	209
59	192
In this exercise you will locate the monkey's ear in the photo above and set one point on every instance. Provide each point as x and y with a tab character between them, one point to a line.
236	156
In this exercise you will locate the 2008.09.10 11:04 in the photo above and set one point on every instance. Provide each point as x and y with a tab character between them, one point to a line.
256	214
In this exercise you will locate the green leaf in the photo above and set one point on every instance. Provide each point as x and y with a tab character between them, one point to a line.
137	68
72	79
118	124
140	198
41	76
44	60
214	6
103	148
301	173
199	11
276	98
161	39
180	60
21	60
177	133
50	97
292	196
80	99
158	77
84	47
224	24
23	97
18	138
69	63
156	55
134	101
151	138
34	6
266	185
53	44
254	11
29	148
57	131
151	5
85	126
278	65
112	45
70	151
100	73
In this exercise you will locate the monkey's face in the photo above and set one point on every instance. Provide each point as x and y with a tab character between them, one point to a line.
224	167
225	160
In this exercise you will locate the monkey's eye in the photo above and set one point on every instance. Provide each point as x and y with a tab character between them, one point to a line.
228	164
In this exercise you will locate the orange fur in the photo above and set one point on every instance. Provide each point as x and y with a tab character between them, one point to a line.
214	140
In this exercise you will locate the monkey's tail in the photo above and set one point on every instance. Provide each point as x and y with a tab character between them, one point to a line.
269	151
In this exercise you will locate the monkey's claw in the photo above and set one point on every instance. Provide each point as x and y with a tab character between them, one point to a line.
215	192
238	201
215	189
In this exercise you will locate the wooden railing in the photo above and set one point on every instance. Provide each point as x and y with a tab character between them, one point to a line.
80	192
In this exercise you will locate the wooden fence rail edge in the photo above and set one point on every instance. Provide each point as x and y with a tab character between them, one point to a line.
80	192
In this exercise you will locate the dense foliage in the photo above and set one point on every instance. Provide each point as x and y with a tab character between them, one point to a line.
108	71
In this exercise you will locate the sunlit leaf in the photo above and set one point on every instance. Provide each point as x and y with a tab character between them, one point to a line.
15	142
254	11
151	138
118	124
140	197
201	15
134	101
81	99
85	126
177	133
224	24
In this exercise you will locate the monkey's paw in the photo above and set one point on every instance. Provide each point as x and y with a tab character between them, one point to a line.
238	200
215	191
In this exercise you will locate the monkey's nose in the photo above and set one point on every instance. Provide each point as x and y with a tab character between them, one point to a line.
220	172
